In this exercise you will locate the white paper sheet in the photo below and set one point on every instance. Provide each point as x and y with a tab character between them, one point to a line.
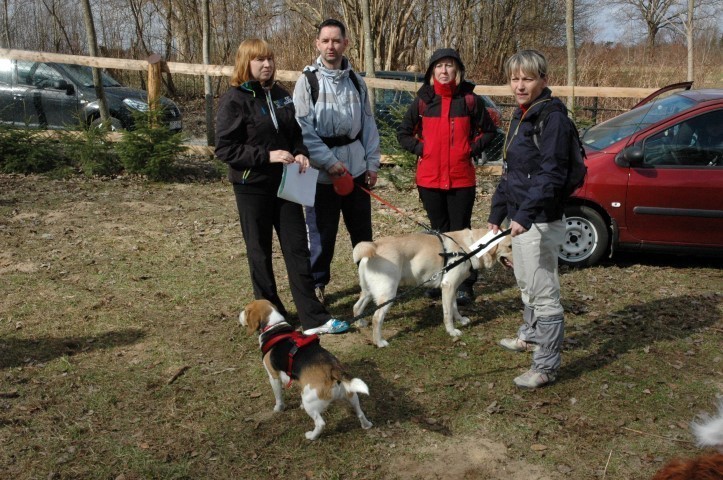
298	187
487	237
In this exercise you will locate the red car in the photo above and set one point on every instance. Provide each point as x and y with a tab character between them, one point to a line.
654	181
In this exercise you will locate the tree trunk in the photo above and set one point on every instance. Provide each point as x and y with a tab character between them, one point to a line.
368	47
571	55
6	26
93	51
689	34
207	88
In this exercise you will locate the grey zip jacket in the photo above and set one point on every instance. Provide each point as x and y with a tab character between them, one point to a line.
340	111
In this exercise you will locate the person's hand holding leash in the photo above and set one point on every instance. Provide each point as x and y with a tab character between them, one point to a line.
516	229
337	170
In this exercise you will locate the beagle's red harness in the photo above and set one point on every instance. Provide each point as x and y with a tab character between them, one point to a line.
298	339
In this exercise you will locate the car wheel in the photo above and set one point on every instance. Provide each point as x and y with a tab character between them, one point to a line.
115	124
586	237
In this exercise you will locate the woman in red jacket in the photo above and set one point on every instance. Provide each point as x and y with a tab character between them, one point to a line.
446	127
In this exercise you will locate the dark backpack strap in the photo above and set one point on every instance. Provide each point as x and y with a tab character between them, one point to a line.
540	124
470	100
355	80
313	85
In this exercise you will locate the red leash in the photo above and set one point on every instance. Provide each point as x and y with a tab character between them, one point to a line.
401	212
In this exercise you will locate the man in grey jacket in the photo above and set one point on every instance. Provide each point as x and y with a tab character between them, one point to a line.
338	127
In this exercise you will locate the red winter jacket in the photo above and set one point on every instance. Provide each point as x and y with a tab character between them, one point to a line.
448	135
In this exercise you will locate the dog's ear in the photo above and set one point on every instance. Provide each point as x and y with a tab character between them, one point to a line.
489	258
251	318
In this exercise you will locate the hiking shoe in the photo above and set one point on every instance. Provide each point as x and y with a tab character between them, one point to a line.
464	297
332	326
532	379
319	291
518	345
433	293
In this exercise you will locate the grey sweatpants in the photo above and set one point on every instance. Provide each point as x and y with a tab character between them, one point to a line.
535	265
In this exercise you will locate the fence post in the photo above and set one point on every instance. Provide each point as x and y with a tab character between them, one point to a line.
154	85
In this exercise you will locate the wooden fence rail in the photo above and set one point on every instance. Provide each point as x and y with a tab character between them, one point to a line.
151	65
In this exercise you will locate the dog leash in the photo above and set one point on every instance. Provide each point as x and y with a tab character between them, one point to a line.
444	270
399	211
384	202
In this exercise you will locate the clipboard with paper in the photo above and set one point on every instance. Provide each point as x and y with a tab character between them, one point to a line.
298	187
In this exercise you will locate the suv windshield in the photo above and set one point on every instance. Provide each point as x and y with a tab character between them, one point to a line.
84	76
605	134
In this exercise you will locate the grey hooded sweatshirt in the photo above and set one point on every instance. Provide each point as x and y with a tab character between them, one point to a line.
340	111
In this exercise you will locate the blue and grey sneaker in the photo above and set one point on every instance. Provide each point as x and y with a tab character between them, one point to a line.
332	326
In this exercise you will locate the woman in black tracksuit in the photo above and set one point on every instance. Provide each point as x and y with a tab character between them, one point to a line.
257	134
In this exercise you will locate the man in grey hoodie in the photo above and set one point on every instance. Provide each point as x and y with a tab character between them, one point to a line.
339	130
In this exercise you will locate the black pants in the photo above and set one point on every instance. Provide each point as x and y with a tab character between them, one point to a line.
259	215
322	221
449	211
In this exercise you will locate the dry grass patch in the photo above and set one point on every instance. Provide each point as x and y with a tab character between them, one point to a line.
121	355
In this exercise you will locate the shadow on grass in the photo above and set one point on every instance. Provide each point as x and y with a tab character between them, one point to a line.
16	352
637	326
388	403
426	312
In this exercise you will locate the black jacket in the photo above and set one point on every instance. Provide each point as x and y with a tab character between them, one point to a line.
530	189
245	134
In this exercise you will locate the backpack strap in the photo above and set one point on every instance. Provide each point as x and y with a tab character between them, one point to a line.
470	100
540	123
314	83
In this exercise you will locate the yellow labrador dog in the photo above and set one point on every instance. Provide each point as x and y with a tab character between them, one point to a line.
413	259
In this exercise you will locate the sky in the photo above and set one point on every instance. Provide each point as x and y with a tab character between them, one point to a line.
611	29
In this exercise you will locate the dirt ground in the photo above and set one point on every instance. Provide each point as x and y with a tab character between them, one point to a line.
121	355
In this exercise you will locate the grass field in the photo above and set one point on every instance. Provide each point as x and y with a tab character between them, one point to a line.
121	355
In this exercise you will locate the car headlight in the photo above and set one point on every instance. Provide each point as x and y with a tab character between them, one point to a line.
136	104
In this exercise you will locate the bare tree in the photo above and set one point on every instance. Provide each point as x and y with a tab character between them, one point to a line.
208	89
97	78
656	15
571	53
368	47
6	26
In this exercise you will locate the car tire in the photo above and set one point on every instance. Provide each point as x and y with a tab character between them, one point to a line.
586	237
115	124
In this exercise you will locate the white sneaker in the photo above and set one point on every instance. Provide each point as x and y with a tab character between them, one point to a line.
332	326
532	379
518	345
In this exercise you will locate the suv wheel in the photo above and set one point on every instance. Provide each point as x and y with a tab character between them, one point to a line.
586	237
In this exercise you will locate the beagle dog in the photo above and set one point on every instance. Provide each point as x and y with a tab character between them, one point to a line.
413	259
290	355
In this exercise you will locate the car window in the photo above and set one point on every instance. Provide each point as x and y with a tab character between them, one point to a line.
605	134
696	141
37	74
6	71
84	76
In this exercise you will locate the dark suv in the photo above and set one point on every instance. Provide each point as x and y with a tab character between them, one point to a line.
54	96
